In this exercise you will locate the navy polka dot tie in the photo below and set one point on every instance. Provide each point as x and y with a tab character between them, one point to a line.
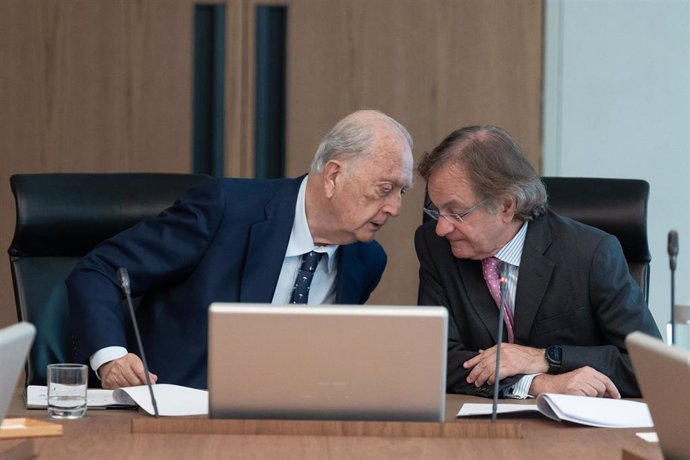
300	293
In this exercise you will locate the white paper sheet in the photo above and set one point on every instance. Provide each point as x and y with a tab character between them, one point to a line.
172	400
37	398
648	436
471	409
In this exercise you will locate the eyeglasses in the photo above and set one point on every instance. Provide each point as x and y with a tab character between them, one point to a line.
451	217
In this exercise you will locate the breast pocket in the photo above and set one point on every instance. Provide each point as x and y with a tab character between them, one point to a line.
569	320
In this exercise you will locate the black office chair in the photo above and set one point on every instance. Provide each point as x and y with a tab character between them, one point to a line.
60	218
616	206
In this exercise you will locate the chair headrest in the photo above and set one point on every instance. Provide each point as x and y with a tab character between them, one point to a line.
65	214
616	206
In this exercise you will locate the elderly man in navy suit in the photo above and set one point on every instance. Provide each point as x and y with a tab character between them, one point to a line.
569	299
243	240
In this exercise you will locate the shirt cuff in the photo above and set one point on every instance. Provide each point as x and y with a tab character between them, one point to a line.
104	355
520	389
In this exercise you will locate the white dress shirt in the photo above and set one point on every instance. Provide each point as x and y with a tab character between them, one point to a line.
322	289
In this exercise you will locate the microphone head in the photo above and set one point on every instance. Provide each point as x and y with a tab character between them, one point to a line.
672	249
503	272
673	243
123	279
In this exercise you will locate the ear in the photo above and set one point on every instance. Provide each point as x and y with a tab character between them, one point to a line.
332	173
508	208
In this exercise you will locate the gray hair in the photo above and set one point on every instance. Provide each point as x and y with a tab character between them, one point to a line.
352	136
495	166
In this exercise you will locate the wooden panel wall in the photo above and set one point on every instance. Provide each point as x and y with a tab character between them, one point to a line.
91	86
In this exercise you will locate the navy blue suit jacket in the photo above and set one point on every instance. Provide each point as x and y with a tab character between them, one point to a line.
223	241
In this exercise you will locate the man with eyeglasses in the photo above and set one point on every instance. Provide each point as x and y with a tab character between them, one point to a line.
568	298
304	240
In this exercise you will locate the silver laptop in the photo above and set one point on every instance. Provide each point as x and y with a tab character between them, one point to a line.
15	343
327	362
663	373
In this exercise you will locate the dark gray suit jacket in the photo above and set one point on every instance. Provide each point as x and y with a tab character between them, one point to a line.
574	290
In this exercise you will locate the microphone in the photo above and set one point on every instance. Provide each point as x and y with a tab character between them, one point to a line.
123	279
503	283
672	256
672	249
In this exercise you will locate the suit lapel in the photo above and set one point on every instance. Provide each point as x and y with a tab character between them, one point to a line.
350	276
268	242
535	274
478	294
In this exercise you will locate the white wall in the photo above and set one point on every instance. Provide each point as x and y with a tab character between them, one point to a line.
617	104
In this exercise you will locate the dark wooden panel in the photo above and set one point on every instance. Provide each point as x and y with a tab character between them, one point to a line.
105	85
94	85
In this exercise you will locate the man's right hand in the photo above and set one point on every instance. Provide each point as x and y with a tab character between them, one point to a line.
584	381
124	372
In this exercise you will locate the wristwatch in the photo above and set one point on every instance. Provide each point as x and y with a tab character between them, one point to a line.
553	355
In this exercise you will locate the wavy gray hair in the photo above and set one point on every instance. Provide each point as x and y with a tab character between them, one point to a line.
495	166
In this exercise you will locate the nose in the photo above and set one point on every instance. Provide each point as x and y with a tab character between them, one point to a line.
443	227
393	205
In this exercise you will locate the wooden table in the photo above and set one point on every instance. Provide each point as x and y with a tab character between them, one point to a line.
107	434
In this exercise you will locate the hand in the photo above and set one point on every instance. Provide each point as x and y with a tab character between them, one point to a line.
584	381
124	372
515	359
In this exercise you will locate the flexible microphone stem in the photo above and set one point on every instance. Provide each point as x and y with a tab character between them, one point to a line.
673	307
123	277
494	408
499	337
672	256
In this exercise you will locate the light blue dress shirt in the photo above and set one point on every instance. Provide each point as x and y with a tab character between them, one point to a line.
511	254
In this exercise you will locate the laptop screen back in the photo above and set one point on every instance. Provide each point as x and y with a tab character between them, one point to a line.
663	373
327	362
15	342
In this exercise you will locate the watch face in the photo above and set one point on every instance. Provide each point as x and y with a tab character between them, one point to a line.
554	354
553	357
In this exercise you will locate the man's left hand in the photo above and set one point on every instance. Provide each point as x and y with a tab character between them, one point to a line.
515	359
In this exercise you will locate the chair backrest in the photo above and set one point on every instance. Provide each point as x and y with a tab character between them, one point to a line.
616	206
60	218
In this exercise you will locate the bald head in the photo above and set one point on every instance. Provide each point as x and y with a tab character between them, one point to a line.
355	135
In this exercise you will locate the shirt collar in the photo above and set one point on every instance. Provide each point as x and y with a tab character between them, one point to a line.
511	253
301	240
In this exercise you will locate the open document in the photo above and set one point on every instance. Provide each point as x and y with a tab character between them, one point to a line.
599	412
172	400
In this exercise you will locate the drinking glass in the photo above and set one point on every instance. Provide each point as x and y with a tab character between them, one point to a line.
67	390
